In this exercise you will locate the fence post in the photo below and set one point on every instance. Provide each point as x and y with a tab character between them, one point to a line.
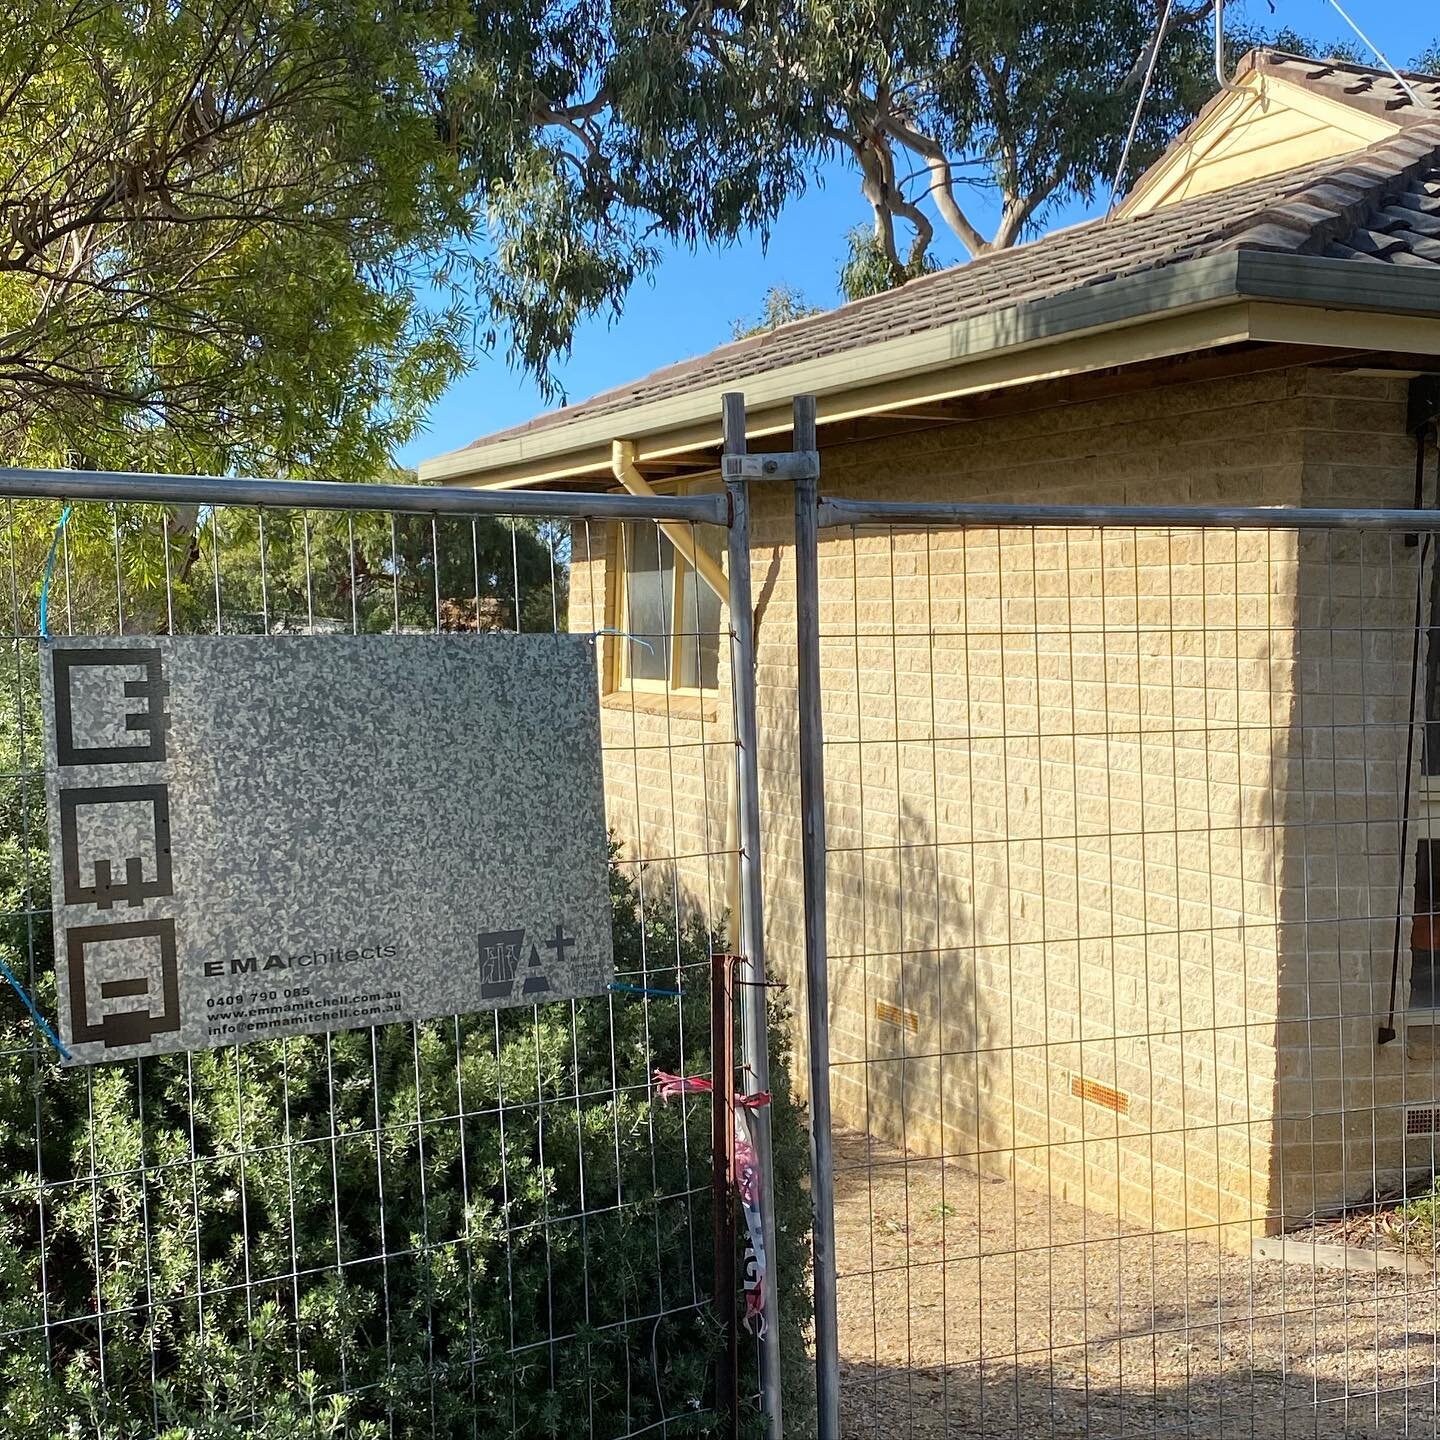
754	1041
722	1141
817	977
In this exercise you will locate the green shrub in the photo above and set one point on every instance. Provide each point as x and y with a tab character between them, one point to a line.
376	1232
1412	1225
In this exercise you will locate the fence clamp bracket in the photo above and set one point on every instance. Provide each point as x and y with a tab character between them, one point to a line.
779	465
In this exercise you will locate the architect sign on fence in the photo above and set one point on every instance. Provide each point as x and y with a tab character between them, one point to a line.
254	836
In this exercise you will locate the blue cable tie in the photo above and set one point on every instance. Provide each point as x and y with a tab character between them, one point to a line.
41	1022
45	590
621	988
623	634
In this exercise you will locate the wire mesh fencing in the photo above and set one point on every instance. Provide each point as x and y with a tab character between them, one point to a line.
472	1226
1131	946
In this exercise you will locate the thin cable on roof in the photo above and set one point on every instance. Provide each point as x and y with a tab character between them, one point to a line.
1218	6
1380	55
1160	32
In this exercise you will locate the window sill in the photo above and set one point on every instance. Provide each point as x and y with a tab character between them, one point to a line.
658	702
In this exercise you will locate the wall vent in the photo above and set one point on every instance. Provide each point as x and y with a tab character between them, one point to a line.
893	1015
1422	1120
1105	1096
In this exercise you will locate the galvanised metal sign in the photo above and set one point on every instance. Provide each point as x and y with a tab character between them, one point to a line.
257	836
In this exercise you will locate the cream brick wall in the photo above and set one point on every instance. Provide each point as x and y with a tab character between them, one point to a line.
667	760
1066	776
1340	1098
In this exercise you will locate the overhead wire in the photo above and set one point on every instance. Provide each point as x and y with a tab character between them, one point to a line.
1160	32
1404	84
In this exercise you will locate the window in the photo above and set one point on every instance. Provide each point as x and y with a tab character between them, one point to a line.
669	618
1425	930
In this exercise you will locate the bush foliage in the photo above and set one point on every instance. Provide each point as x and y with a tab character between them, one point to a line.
470	1227
377	1232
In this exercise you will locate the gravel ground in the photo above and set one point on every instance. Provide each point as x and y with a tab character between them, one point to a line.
972	1307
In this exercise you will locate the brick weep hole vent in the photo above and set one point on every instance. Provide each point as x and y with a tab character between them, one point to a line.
894	1015
1098	1094
1421	1121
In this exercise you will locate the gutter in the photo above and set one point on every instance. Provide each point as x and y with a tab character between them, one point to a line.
1338	284
841	381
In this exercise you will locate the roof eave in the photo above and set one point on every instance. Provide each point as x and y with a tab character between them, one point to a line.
998	348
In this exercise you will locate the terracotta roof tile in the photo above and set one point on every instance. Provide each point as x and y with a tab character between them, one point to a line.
1375	205
1360	86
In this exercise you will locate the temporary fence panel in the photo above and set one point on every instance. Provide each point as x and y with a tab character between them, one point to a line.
1120	849
470	1226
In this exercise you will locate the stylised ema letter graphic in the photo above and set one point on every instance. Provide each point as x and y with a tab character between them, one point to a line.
94	709
123	820
110	963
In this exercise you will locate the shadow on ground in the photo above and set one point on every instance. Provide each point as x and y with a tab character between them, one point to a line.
970	1306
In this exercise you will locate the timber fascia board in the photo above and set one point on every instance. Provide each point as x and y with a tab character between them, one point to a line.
966	355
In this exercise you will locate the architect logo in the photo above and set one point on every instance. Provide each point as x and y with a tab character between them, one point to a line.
500	952
109	831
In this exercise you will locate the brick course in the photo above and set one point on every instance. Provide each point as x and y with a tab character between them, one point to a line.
1113	812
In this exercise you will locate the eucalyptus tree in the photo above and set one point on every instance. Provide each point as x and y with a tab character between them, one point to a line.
214	225
265	235
781	305
268	233
946	113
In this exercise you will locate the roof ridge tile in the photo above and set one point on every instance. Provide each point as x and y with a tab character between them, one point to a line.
1341	251
1376	176
1409	219
1425	246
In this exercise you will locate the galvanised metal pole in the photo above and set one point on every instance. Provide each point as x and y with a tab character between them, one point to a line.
755	1045
817	974
125	487
943	513
722	1188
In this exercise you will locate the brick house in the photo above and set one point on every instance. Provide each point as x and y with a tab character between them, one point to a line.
1115	815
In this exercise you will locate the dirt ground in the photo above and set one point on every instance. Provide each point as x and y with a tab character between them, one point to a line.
973	1307
1383	1225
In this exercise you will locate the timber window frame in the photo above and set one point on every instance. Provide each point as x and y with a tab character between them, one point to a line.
667	621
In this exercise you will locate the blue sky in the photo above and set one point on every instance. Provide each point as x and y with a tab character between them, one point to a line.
690	303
